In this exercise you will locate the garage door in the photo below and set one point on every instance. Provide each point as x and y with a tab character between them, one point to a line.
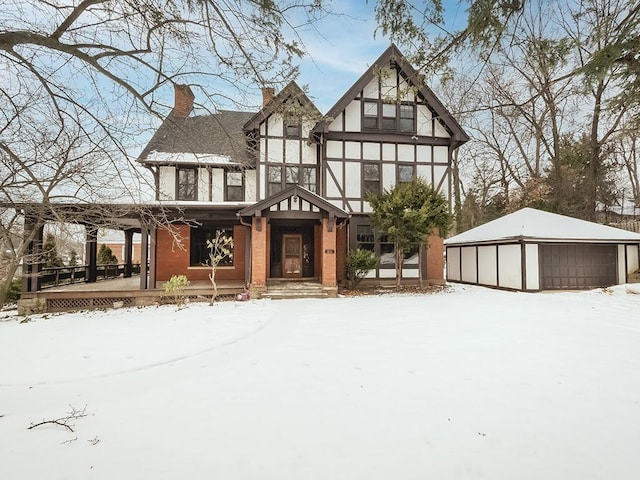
577	266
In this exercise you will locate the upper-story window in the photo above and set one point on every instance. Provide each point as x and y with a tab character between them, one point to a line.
371	177
274	180
292	127
392	117
186	184
281	177
234	186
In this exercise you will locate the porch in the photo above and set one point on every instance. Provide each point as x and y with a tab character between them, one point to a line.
115	293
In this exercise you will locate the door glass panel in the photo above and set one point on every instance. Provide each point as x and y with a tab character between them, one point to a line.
292	246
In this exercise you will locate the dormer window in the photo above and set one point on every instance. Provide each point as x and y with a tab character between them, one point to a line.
186	183
390	117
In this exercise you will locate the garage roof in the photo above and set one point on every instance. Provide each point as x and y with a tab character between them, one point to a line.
532	224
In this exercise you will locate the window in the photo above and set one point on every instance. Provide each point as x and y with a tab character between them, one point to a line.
293	175
199	251
308	178
365	238
234	186
371	177
391	117
407	117
274	180
186	184
292	127
387	255
406	173
370	115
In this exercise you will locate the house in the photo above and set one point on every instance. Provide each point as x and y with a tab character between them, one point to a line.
289	184
115	240
533	250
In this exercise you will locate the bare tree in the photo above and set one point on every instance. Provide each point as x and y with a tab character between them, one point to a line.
82	79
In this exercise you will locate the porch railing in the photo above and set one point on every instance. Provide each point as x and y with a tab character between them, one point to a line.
55	276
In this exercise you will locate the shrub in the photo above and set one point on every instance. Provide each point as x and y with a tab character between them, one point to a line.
359	262
175	287
106	256
13	295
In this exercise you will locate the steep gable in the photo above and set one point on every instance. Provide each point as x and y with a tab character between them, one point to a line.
291	99
392	59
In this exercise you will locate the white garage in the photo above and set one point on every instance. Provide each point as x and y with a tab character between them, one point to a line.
533	250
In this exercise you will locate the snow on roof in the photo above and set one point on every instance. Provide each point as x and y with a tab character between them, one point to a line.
530	223
190	158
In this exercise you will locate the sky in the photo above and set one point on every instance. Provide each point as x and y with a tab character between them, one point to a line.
346	46
442	386
340	48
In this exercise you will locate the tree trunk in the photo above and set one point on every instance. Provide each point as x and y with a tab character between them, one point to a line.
212	277
399	254
421	254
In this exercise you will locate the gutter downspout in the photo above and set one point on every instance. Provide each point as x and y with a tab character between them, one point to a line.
250	256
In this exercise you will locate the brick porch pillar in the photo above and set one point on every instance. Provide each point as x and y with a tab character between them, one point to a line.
435	260
259	254
329	252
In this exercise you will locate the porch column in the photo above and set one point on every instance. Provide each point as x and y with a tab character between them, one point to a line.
153	233
435	260
128	253
91	254
329	252
32	266
144	258
259	253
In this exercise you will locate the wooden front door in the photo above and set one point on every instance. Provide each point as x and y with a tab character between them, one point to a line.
292	256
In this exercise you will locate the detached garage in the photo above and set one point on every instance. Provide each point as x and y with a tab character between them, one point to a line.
533	250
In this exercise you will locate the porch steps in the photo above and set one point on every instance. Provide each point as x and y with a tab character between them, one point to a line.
281	290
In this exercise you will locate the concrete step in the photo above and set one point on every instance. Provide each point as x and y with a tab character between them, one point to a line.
291	290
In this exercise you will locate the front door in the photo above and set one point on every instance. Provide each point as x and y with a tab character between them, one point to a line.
292	256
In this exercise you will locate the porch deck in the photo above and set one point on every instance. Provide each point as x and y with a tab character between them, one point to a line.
117	292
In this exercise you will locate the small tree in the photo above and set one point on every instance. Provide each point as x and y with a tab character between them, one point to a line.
220	248
359	262
50	252
106	256
407	214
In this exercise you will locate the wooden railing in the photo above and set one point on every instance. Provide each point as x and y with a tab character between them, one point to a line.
55	276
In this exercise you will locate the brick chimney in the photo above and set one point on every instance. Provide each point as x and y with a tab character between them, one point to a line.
183	103
267	94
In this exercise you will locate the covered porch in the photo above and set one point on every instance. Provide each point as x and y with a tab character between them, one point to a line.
296	236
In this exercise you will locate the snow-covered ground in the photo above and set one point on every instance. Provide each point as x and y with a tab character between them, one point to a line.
469	384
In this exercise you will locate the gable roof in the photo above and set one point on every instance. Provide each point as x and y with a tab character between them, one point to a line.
532	224
291	91
211	139
293	191
393	57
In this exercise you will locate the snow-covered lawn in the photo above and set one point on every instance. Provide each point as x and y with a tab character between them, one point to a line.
469	384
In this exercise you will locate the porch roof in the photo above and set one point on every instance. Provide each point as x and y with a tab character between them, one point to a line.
257	209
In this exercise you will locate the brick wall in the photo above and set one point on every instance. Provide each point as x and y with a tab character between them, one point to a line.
173	260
